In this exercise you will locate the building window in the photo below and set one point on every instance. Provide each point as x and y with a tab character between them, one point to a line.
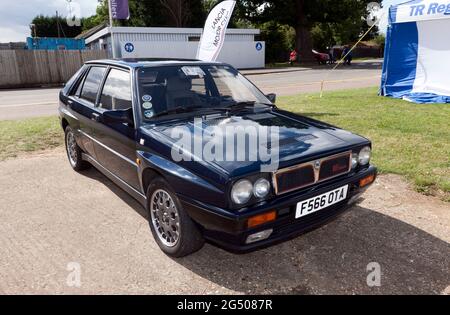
193	38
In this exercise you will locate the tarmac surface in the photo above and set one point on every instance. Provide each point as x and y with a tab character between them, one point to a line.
78	233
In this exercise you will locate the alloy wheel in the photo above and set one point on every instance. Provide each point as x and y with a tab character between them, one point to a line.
165	217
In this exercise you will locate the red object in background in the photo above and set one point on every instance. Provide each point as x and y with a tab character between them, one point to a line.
321	57
293	56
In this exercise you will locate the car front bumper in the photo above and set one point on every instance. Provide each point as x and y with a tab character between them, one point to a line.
229	229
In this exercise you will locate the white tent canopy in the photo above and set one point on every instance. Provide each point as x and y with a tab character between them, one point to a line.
417	63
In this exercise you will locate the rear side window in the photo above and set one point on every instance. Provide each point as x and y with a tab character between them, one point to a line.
70	85
92	84
116	92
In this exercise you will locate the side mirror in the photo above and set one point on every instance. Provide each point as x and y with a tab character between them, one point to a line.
272	97
118	116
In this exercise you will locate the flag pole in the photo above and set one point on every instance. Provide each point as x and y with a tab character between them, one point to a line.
111	29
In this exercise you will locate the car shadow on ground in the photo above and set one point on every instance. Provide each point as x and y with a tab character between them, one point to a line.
333	259
134	204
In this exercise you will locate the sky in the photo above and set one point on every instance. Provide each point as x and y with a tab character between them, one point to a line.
16	15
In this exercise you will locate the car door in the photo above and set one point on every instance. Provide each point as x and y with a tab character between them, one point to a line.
116	146
82	103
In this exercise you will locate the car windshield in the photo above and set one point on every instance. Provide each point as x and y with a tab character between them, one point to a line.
174	89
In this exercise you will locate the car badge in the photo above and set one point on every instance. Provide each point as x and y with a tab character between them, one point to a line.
147	105
317	164
146	98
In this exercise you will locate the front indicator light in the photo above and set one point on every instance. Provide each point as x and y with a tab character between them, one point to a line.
259	236
366	181
261	219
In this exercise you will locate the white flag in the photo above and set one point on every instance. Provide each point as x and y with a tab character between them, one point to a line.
214	31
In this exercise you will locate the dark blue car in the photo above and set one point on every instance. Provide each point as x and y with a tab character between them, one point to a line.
208	154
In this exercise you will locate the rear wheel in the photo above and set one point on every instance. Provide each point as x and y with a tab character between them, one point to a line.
174	231
74	152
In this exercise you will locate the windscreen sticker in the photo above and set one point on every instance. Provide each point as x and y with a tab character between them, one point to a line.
193	71
146	98
148	113
147	105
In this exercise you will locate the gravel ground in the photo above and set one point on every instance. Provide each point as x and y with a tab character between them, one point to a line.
55	222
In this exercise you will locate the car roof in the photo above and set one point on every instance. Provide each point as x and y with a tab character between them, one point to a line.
146	62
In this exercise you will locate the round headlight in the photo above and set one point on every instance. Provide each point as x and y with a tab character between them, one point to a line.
242	191
261	188
355	158
364	156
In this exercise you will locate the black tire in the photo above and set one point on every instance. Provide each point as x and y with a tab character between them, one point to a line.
189	237
75	157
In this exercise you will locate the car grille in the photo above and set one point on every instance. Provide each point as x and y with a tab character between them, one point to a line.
309	173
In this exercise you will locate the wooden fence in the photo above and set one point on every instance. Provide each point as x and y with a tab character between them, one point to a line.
30	68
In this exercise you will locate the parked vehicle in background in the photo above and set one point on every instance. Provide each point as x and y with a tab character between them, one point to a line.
321	58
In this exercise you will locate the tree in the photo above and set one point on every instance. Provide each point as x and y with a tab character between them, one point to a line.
53	26
303	15
183	13
156	13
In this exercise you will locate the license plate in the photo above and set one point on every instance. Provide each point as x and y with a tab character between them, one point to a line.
321	202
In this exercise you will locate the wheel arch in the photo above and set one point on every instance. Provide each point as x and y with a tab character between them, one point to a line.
64	123
148	174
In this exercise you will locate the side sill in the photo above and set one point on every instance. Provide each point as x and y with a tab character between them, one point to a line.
142	199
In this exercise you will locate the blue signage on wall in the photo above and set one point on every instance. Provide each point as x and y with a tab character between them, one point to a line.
259	46
129	47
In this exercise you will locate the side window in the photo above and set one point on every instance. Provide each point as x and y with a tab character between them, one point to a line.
116	92
72	84
76	91
92	84
198	86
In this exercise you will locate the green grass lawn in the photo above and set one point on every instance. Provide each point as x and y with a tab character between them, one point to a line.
18	137
408	139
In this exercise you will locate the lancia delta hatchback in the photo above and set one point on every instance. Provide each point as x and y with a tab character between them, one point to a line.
208	154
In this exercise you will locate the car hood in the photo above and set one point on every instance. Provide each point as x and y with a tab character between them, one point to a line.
282	139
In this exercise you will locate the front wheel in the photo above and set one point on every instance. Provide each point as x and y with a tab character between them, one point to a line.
73	151
174	231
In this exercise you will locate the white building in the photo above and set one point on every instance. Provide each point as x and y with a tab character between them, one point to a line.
240	49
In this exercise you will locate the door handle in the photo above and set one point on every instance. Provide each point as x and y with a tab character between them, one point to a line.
69	103
95	117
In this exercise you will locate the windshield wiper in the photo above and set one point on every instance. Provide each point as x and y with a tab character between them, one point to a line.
240	106
178	110
236	106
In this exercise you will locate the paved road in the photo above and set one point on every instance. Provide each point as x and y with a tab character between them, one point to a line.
25	103
54	220
361	74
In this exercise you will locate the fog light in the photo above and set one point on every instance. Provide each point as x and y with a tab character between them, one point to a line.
259	236
366	180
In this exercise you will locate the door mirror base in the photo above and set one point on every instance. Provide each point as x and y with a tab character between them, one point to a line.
118	116
272	97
